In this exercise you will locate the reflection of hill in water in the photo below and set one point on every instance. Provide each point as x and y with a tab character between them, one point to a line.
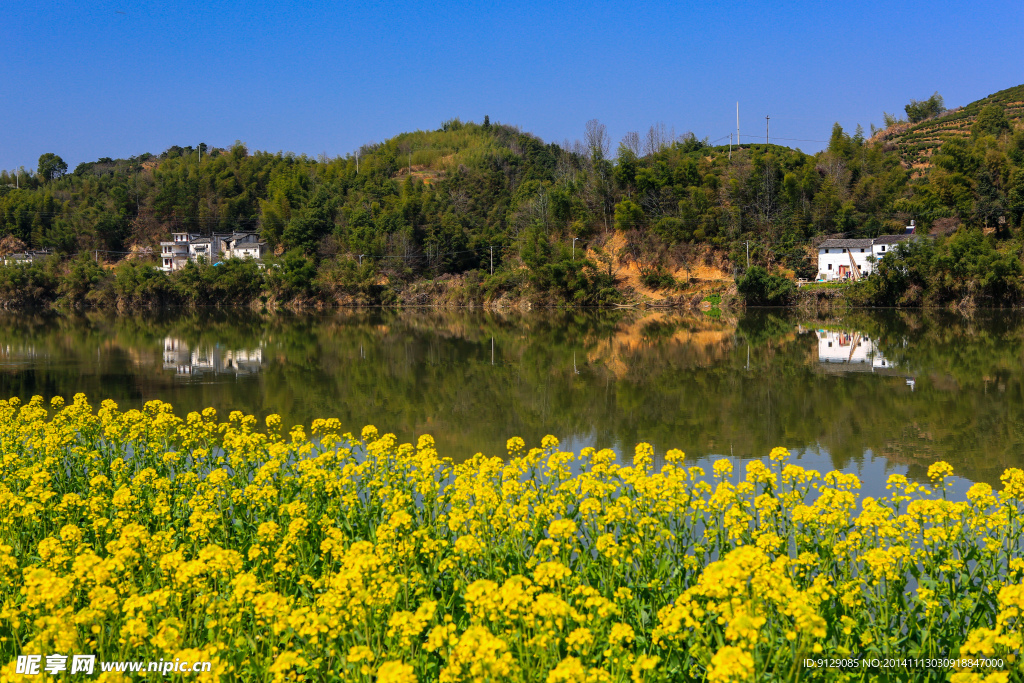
703	341
473	379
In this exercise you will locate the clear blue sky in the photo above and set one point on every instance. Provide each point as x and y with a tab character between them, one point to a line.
83	80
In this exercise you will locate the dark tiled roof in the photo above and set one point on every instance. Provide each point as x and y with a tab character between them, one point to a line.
891	239
835	244
853	243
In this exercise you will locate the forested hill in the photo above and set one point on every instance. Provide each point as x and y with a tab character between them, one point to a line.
444	202
916	141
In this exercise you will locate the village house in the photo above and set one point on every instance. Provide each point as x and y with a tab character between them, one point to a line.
851	259
174	254
186	247
24	258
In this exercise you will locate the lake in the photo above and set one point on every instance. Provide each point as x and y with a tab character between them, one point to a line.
870	392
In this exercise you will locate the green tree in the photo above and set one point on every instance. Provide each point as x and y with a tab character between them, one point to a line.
920	110
83	278
113	229
839	142
991	120
138	284
759	288
293	275
1015	195
625	169
51	166
628	215
306	231
671	229
891	119
900	278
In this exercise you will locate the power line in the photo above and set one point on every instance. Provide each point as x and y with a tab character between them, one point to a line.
787	139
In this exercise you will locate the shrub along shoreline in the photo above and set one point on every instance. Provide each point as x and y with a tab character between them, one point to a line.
301	554
966	269
293	280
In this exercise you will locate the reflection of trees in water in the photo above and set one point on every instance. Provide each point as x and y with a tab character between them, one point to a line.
617	377
966	407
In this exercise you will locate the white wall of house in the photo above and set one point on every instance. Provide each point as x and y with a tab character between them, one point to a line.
173	254
834	262
881	250
203	249
253	251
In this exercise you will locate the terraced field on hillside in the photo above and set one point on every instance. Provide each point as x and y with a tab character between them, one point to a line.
916	142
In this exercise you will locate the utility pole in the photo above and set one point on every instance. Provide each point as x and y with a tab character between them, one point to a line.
574	248
361	259
357	162
766	132
748	253
492	259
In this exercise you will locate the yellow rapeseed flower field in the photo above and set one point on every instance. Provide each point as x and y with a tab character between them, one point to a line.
314	555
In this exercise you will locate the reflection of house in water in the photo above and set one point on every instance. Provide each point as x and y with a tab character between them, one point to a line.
18	354
845	351
185	361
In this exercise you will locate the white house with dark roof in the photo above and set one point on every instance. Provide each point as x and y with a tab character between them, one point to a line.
174	254
851	259
246	245
203	248
186	247
24	258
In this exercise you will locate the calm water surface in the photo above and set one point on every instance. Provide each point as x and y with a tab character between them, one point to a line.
872	392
